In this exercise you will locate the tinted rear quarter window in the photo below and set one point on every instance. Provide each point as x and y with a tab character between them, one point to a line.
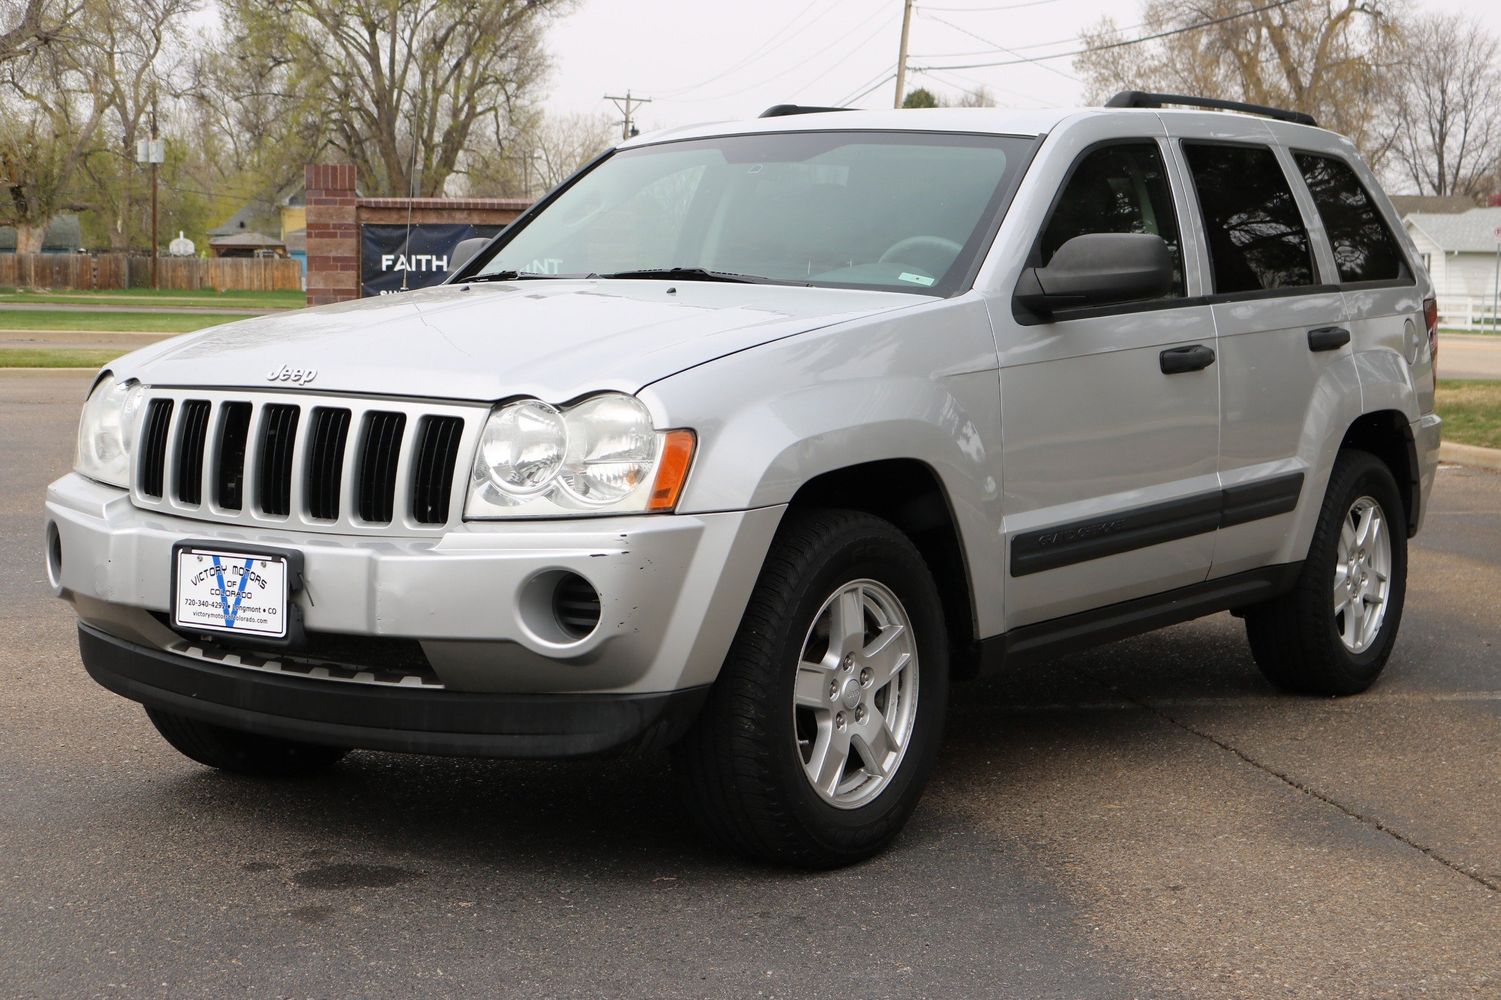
1256	236
1364	248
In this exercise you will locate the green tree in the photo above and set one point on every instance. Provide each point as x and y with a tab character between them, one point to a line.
401	84
922	97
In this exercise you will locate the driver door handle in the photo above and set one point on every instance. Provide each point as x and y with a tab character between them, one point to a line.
1194	358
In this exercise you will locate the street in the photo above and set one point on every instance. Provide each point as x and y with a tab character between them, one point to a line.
1469	356
1148	819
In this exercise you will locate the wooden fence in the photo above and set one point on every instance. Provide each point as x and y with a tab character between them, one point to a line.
113	271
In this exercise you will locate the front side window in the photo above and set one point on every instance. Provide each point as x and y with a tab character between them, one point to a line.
1364	248
904	211
1256	236
1117	189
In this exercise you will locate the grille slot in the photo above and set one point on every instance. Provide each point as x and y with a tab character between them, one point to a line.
274	483
379	455
324	468
314	462
154	447
234	434
192	435
437	453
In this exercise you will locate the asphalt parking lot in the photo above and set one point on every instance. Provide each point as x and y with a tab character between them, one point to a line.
1145	820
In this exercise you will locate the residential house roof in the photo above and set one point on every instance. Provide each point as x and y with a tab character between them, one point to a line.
1466	232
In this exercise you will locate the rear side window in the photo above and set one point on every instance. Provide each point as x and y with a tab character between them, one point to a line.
1256	236
1117	189
1364	249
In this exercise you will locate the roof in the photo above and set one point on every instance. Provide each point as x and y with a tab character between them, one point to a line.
297	241
64	233
246	239
1465	232
1438	204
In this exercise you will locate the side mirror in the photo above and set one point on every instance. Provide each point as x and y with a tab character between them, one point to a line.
465	251
1098	269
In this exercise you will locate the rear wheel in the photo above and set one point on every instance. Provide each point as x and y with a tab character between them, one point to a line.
823	725
1332	634
241	752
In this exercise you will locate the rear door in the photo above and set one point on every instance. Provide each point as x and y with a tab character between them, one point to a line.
1108	466
1279	320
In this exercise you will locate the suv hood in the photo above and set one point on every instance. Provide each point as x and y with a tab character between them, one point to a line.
554	339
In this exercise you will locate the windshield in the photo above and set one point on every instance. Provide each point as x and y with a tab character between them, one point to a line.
900	210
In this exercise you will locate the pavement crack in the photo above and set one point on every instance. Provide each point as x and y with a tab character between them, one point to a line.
1294	783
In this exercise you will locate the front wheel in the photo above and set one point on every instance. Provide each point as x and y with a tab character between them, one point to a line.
1332	634
821	730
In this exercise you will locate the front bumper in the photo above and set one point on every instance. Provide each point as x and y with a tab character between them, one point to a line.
672	589
376	718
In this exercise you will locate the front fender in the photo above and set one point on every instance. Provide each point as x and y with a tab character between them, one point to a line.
921	385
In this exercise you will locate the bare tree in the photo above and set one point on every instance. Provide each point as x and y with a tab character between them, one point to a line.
50	110
28	26
402	83
1449	122
131	53
1335	59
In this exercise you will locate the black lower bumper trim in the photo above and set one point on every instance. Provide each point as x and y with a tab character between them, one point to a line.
388	718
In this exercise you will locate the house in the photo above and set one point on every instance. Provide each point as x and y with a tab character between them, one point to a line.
247	243
64	234
243	234
1461	251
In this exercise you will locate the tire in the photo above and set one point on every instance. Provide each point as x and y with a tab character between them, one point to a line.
747	765
241	752
1302	640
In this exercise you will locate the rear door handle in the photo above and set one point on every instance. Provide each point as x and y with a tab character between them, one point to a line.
1186	359
1328	338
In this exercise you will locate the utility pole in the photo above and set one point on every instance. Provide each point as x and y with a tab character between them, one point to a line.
901	55
626	105
152	151
155	160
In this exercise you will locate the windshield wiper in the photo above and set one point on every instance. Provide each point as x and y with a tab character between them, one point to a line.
521	276
692	274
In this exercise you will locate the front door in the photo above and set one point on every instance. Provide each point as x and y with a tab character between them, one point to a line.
1109	442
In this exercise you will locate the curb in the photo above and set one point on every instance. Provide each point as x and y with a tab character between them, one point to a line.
1471	455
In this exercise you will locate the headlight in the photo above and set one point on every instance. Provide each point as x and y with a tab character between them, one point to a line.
599	456
104	431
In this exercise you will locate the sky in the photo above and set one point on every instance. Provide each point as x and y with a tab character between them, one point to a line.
711	60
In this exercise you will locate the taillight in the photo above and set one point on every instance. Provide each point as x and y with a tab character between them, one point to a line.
1430	316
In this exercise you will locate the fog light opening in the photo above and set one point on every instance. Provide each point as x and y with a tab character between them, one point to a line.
559	607
54	556
575	605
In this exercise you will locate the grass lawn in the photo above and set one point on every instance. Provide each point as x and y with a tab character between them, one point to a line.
51	358
167	298
121	322
1471	412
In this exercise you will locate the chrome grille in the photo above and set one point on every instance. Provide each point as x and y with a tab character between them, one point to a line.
318	464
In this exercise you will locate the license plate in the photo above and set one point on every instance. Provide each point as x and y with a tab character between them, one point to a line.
221	590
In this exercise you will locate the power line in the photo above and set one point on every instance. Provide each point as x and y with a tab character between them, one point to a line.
879	83
985	10
1123	43
1036	59
775	37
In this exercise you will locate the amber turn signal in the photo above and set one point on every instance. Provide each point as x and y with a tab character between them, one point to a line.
672	471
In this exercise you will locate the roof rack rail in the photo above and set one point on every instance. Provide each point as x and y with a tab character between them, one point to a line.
781	110
1143	99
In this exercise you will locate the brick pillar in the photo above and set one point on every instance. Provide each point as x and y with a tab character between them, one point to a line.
333	235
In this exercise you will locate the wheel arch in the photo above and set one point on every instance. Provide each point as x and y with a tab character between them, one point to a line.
1387	434
910	494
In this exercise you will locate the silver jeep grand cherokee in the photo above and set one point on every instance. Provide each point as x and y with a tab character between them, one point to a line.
750	438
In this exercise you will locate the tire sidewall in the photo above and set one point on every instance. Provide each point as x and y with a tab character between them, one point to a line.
893	562
1371	479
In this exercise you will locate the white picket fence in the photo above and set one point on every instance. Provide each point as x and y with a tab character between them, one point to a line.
1469	312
